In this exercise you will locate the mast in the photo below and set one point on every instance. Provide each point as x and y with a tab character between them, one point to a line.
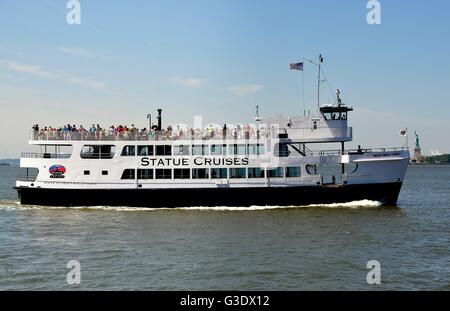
318	82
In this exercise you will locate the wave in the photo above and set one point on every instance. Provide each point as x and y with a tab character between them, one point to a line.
10	205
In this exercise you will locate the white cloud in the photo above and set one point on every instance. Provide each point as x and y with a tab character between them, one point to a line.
29	69
188	82
242	90
76	52
90	83
40	72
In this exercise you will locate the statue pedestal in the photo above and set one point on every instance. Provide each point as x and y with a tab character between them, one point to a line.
417	157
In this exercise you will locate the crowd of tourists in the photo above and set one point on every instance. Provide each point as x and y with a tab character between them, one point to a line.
124	132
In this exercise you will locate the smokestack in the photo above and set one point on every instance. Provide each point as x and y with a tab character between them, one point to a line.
159	120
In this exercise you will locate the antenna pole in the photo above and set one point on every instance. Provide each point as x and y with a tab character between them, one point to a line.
318	83
318	78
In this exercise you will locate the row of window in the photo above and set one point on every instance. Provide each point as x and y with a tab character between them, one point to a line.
214	173
107	151
255	172
184	150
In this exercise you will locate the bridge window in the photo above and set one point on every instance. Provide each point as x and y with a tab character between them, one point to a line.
163	150
163	173
255	172
129	173
182	173
145	173
293	171
128	151
97	151
237	173
219	173
335	113
145	150
200	173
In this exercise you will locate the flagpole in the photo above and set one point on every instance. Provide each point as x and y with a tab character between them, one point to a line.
303	90
407	145
318	86
299	66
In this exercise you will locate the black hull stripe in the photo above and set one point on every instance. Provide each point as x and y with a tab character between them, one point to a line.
386	193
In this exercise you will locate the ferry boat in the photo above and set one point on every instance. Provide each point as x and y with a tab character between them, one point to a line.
278	161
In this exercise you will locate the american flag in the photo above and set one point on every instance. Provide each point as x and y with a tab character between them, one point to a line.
296	66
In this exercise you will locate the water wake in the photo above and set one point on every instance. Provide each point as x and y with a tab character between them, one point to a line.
11	205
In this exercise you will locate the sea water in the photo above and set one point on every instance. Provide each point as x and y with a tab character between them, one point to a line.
317	247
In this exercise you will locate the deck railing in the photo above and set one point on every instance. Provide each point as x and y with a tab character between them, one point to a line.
45	155
356	151
197	134
319	133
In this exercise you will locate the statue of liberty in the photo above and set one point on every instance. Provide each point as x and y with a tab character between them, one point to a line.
417	141
417	157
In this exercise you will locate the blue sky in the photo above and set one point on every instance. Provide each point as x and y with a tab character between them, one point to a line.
218	59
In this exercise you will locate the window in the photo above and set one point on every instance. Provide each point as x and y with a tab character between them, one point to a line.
145	173
182	173
199	150
128	173
327	115
219	173
87	172
128	151
350	167
180	150
256	149
145	150
335	116
97	151
311	169
218	149
293	171
104	173
200	173
255	172
163	150
275	172
237	173
281	150
163	173
238	149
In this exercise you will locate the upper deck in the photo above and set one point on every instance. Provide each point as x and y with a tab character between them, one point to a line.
317	130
